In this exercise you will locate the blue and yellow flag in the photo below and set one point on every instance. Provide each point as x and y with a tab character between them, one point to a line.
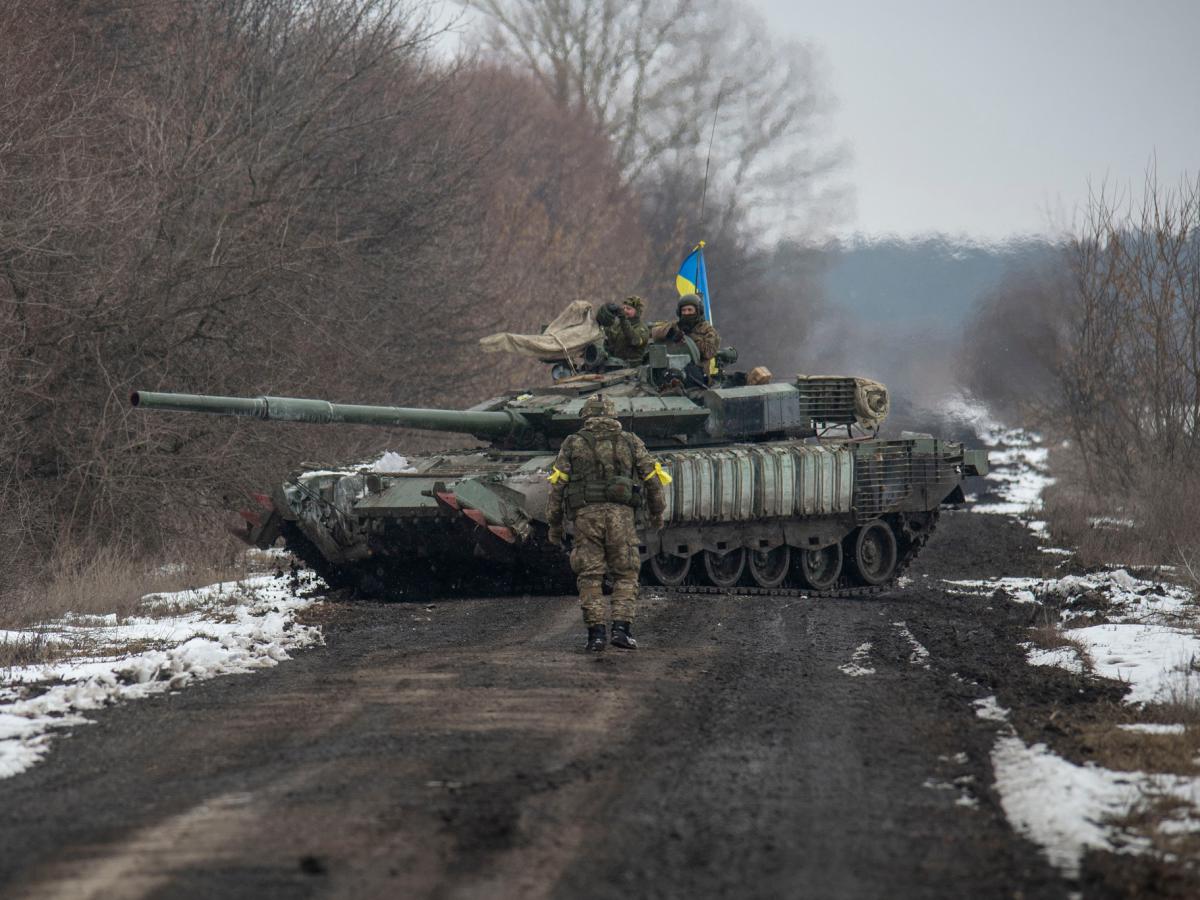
693	278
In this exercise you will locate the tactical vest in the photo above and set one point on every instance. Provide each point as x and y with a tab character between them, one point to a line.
590	483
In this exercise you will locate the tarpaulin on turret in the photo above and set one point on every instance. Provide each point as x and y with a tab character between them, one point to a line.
573	329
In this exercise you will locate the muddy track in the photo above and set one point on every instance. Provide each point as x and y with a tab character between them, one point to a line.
472	750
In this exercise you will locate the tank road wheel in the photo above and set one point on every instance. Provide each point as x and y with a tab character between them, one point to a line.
769	568
873	553
819	570
670	571
725	570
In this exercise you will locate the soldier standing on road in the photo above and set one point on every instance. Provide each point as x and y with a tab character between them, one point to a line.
625	334
598	480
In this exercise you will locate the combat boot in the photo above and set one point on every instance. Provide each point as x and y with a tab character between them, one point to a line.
622	636
595	638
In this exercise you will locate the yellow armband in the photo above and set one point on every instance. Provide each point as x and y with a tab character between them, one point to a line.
660	472
558	475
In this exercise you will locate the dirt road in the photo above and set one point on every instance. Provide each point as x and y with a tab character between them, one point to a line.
472	750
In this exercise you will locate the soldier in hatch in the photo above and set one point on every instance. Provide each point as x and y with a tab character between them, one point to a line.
690	310
625	334
598	479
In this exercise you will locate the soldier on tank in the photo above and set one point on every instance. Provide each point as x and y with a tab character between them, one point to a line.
691	322
690	311
598	480
625	334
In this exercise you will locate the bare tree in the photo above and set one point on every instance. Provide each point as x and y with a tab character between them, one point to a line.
1131	369
658	76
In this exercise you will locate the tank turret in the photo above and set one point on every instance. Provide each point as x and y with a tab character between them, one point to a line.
662	412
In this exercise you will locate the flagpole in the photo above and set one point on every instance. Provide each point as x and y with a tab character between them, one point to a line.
701	268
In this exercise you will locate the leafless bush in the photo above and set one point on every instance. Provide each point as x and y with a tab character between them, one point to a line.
1130	374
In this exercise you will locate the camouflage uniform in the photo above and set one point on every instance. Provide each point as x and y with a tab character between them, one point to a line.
625	338
699	329
601	454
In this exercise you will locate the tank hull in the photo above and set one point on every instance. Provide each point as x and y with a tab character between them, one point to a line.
816	515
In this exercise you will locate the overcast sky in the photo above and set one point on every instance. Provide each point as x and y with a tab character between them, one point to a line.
989	119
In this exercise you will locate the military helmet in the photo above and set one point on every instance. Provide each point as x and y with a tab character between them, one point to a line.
598	405
692	300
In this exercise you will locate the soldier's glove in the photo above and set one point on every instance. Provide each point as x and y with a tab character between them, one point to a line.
657	523
555	535
675	334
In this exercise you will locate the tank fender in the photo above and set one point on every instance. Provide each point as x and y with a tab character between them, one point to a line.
487	506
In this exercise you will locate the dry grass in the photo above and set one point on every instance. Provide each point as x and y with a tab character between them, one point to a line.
1164	512
1135	751
1168	869
1183	700
31	649
108	580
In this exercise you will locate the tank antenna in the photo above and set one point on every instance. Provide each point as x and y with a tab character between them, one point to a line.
708	157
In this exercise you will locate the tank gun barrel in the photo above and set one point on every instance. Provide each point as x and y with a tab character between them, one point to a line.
291	409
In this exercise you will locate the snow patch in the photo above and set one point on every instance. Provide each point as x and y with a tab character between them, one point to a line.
1157	662
391	462
1123	597
1067	809
989	709
1152	728
1065	657
1142	644
919	655
1017	472
217	638
858	662
1058	805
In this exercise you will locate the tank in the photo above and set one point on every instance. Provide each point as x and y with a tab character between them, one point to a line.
775	486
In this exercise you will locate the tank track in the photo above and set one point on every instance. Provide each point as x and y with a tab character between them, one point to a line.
844	592
546	574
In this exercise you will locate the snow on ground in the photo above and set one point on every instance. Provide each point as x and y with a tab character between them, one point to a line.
919	655
1067	809
222	629
1146	638
858	662
1017	474
1017	463
1135	630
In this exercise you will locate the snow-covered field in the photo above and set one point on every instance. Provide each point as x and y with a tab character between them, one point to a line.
1138	631
222	629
